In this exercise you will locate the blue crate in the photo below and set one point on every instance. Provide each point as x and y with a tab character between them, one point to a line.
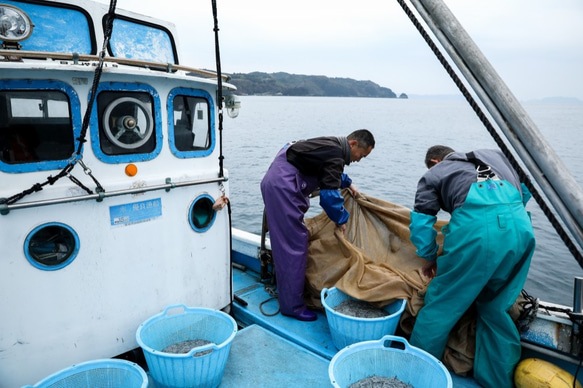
391	356
346	330
110	373
197	368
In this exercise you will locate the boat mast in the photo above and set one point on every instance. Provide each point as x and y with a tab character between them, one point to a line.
540	159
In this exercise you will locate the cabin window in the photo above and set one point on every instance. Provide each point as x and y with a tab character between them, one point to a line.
51	246
127	125
190	122
127	122
202	214
133	39
38	126
60	29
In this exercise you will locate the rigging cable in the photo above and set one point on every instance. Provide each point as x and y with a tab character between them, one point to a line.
77	156
523	177
221	157
219	87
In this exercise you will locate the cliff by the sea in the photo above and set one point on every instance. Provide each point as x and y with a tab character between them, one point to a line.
285	84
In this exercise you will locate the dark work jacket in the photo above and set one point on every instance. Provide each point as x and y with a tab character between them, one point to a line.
322	157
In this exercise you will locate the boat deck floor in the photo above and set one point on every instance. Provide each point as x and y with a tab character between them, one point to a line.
259	358
275	350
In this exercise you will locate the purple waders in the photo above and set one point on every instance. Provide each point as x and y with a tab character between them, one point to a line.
285	194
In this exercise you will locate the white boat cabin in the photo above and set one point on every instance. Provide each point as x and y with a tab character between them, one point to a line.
131	228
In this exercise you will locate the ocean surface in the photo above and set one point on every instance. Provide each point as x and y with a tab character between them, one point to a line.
403	130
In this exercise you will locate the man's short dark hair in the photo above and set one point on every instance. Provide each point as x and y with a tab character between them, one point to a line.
436	152
364	138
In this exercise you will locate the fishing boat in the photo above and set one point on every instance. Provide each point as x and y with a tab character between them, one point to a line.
114	201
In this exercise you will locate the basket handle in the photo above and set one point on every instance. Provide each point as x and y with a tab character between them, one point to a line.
387	339
199	349
323	294
175	306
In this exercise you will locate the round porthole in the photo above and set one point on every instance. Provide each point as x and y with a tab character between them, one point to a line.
51	246
201	214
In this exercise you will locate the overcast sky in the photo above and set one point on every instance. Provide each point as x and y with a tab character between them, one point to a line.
536	46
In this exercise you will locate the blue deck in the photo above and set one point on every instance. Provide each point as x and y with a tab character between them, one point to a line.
260	358
303	349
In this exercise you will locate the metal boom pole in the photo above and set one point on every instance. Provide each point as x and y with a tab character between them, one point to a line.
540	159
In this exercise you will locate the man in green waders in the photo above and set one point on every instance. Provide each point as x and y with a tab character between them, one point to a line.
486	255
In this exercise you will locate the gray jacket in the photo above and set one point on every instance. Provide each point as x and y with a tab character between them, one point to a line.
446	185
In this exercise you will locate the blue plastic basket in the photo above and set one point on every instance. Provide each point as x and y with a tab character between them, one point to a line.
346	330
110	373
411	365
197	368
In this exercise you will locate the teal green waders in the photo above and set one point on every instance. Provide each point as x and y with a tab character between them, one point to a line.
486	255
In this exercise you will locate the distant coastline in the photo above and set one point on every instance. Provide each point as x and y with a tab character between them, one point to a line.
546	100
285	84
559	100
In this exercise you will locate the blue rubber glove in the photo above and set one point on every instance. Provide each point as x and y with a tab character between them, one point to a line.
346	181
333	204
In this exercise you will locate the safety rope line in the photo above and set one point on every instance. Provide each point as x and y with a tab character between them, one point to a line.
529	307
271	291
219	87
266	255
523	177
221	156
576	373
77	157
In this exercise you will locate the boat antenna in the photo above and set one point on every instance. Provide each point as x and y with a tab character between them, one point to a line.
523	176
219	87
77	156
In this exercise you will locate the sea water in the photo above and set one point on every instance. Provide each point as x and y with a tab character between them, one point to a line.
403	130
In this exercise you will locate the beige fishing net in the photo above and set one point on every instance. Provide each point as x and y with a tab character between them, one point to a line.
376	262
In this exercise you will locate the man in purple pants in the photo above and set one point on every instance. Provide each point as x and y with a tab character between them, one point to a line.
297	170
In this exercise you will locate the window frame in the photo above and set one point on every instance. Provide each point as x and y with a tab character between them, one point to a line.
126	19
44	25
180	91
75	118
96	123
37	264
212	218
